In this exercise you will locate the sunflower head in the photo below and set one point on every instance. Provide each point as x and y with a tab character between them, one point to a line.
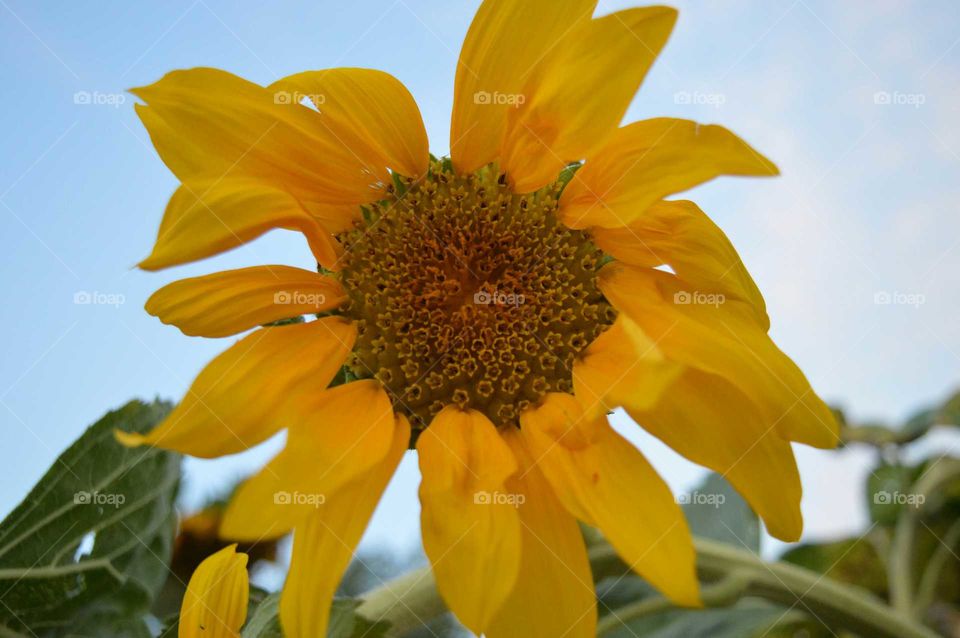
465	293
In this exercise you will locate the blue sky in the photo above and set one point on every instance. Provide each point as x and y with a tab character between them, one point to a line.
857	102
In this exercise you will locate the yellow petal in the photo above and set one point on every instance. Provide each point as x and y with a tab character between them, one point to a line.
208	217
215	603
324	543
471	531
210	124
232	301
594	470
646	161
504	44
240	398
716	337
581	92
554	594
339	434
622	367
709	421
370	111
679	234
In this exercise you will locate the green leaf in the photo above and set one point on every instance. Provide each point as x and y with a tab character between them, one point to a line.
716	511
344	621
889	490
92	539
853	561
264	621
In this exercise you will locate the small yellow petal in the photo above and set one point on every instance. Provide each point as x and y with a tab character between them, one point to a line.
680	235
622	367
646	161
718	338
232	301
504	45
369	111
324	543
339	434
241	398
605	481
581	93
471	532
554	594
207	217
709	421
215	603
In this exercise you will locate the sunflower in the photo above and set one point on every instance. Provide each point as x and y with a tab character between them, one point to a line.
487	310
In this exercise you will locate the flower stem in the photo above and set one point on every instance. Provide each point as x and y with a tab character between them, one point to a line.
411	600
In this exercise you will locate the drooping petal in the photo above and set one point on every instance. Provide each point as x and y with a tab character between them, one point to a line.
717	338
339	435
228	302
648	160
209	124
581	93
368	110
208	217
679	234
215	603
240	399
554	594
709	421
324	543
471	530
604	480
504	45
622	367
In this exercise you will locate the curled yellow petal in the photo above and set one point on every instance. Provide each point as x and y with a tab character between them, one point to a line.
231	301
648	160
241	398
215	603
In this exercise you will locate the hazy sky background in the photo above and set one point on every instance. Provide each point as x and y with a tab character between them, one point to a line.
857	102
